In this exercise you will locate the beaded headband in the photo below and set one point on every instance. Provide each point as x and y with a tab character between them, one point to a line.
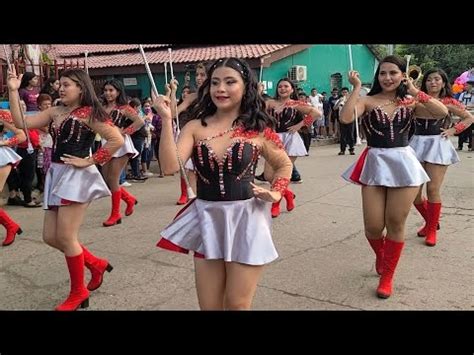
234	64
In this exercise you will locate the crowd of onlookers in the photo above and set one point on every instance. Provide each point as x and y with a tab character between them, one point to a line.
26	182
329	126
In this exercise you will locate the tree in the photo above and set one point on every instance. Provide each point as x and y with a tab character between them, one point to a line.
454	59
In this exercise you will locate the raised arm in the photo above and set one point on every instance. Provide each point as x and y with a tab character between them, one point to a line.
35	121
184	147
354	102
425	101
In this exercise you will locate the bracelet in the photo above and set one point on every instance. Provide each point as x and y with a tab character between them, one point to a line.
308	120
129	130
459	127
280	184
102	156
421	97
11	142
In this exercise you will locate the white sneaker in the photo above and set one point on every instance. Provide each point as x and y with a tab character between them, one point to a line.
148	173
125	184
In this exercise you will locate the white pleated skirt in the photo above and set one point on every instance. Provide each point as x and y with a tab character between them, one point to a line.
293	143
8	156
65	184
389	167
235	231
434	149
126	148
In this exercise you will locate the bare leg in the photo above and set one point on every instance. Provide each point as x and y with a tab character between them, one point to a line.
399	202
436	174
373	206
241	285
112	171
210	283
68	221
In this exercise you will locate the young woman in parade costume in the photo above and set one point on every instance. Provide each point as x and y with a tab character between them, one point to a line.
387	169
434	149
73	180
228	224
128	121
290	115
8	160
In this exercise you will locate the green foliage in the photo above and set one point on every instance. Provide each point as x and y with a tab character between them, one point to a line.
454	59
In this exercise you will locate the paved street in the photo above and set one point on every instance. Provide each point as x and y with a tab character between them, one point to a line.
325	262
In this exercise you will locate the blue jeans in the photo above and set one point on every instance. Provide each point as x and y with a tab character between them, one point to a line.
138	143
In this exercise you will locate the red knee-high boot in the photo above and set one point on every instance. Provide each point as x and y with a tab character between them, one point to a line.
423	209
290	199
183	199
276	209
392	252
378	247
78	296
12	228
97	267
129	199
115	217
434	211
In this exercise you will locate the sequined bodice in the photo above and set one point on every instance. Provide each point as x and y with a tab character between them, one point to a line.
287	117
72	136
384	131
227	177
430	126
119	119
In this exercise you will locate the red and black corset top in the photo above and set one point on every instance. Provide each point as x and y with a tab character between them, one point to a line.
72	136
119	119
225	178
383	131
289	116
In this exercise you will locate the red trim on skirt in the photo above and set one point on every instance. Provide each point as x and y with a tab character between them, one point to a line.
166	244
355	176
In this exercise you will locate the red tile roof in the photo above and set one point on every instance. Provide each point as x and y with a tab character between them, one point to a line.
108	55
180	55
67	50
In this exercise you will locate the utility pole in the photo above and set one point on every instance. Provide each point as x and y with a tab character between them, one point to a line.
390	49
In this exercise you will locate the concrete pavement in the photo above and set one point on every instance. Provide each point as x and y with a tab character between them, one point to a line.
325	262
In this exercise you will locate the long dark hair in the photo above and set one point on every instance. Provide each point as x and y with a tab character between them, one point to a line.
88	96
25	80
48	86
446	91
252	114
293	95
117	85
191	91
401	64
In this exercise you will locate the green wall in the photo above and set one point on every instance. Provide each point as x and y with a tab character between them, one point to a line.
143	83
322	61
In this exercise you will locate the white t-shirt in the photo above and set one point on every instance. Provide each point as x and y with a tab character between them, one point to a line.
467	98
315	100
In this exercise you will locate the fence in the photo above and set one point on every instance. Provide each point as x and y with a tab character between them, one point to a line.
44	70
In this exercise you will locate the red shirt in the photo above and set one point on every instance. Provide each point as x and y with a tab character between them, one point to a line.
34	137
